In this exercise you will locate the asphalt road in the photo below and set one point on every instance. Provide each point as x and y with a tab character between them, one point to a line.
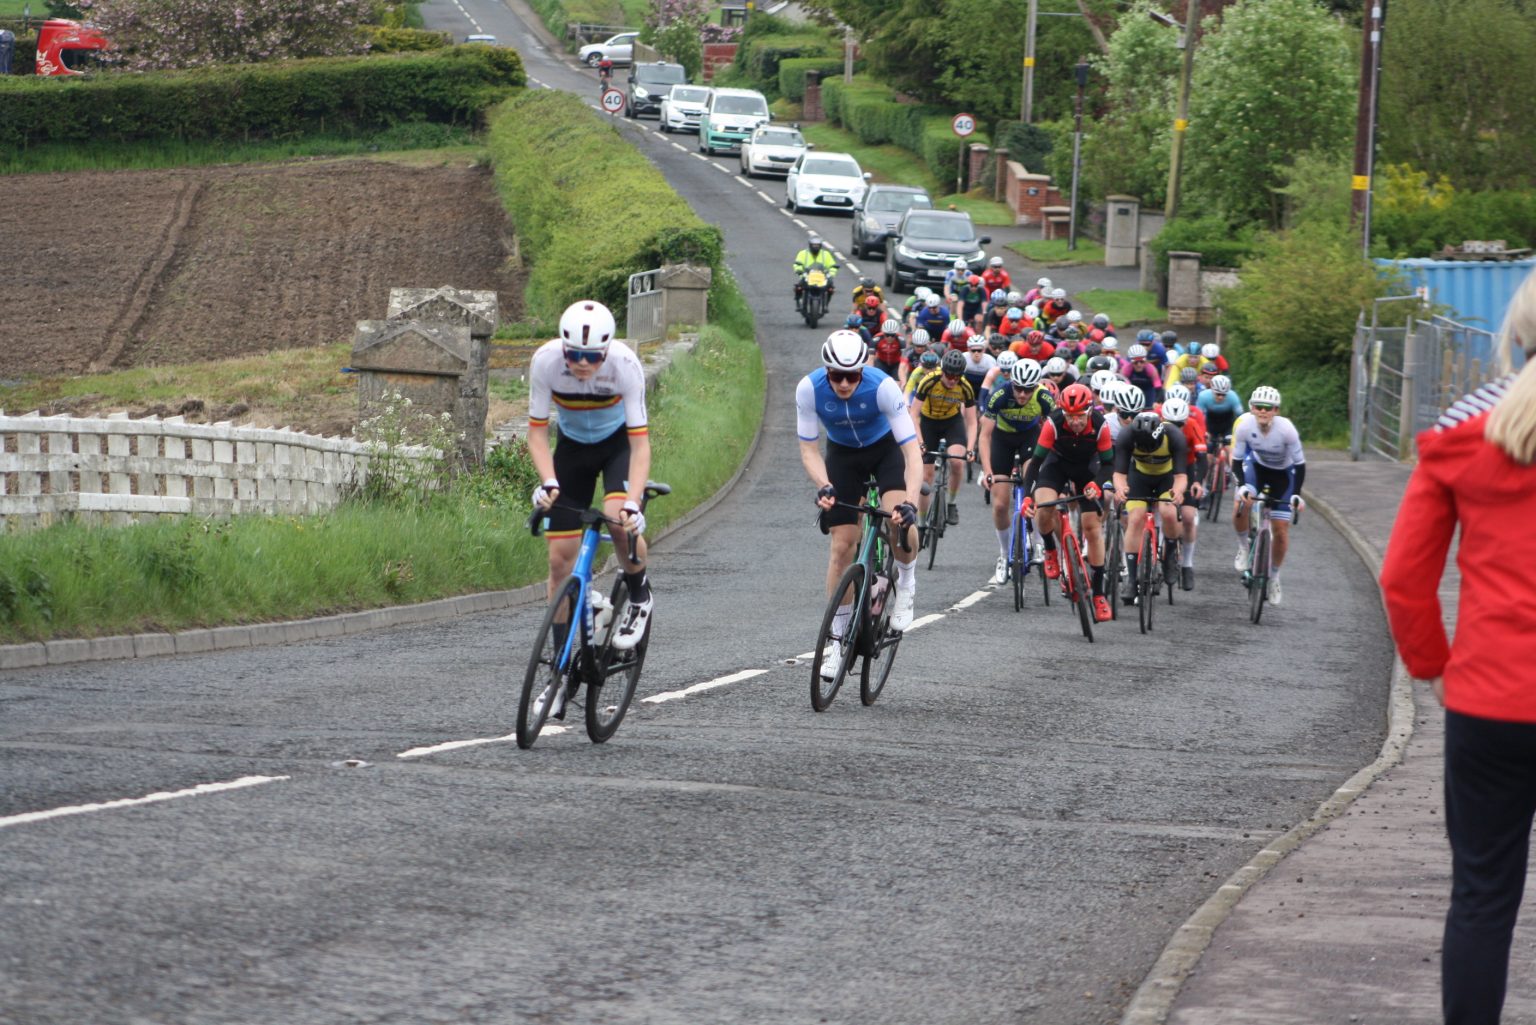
1010	835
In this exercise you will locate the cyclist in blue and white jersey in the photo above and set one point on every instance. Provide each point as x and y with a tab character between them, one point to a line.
1221	407
1266	450
869	434
598	386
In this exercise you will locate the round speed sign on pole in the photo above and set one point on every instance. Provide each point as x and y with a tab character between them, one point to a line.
964	125
613	100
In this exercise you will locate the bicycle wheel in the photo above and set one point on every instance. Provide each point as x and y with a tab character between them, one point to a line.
545	673
1258	577
1045	581
1077	577
1018	561
846	594
1218	488
1146	566
882	641
938	510
609	694
1177	550
1114	561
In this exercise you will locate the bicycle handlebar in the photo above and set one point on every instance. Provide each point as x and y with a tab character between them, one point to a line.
591	517
866	509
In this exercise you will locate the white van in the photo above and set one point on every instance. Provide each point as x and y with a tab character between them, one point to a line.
732	115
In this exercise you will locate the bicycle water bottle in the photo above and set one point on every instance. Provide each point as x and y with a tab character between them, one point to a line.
601	610
877	594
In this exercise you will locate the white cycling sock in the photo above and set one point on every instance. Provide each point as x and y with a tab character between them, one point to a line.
840	619
1005	541
1188	559
906	576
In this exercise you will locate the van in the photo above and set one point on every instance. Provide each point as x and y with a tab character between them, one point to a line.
732	116
648	83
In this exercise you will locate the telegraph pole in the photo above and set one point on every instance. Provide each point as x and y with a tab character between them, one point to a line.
1027	104
1181	121
1365	124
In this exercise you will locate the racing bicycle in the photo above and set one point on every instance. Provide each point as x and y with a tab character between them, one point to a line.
1075	576
1022	547
1260	555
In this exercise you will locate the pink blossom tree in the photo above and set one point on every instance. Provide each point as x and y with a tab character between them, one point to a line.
158	34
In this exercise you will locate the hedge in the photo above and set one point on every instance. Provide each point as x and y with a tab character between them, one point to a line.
792	74
759	58
246	101
872	112
564	173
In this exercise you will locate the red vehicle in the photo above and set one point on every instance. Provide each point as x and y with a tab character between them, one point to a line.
67	47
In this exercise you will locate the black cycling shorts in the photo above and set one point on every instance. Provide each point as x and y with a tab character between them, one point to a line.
951	431
577	467
1005	444
1056	473
1142	485
849	470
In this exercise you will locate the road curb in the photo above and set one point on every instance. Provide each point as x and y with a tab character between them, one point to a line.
1153	1001
146	645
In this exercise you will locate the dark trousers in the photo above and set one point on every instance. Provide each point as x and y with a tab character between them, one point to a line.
1490	798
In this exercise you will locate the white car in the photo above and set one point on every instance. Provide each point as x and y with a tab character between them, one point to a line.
682	107
620	49
825	181
772	150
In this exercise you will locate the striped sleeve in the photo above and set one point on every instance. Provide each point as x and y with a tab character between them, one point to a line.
1475	404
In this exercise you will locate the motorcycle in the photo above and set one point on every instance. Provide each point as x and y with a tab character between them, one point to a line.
813	295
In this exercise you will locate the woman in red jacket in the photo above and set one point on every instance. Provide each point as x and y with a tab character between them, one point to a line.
1477	470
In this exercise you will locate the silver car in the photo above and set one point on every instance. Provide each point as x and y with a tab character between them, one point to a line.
772	150
620	49
682	107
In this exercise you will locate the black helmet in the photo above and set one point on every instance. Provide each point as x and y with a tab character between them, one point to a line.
1100	362
1170	338
867	282
1093	349
1148	428
954	363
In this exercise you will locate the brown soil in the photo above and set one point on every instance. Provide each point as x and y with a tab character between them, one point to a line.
128	268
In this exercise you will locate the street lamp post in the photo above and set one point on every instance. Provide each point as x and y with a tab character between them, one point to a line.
1081	72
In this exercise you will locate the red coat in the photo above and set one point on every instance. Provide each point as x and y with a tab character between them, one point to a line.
1463	481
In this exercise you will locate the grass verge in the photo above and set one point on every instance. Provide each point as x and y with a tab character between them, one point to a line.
1123	307
72	580
1055	251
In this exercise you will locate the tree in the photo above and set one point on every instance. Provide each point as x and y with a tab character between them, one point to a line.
1275	79
1458	85
150	34
1126	150
673	27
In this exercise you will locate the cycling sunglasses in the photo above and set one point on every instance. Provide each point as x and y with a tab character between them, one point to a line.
584	355
1262	407
845	376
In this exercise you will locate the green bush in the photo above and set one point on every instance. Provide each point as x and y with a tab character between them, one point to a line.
563	171
1027	144
405	40
767	43
1219	244
1425	230
260	101
792	74
872	112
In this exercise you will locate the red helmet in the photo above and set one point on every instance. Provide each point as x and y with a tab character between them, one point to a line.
871	300
1077	398
1035	337
973	280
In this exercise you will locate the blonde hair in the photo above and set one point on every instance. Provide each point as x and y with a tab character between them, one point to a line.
1512	425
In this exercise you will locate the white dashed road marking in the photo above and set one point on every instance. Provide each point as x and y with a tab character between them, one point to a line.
129	802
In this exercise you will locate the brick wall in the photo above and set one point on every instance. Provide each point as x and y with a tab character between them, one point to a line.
717	55
1027	193
810	108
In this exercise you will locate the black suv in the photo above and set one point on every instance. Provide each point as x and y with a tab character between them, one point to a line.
877	214
926	244
648	83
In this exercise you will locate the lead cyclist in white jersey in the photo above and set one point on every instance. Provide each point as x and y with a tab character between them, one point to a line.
1266	450
598	386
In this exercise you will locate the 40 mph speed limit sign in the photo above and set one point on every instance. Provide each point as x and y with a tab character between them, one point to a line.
613	101
963	124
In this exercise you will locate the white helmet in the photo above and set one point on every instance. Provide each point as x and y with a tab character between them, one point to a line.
1210	350
1026	373
996	261
1176	391
1109	343
1015	298
1176	411
955	327
844	350
1132	399
960	264
1058	293
922	292
1073	317
1006	359
932	300
1044	284
1137	351
891	327
1221	384
587	326
976	342
1101	382
1032	313
1264	394
1055	365
919	338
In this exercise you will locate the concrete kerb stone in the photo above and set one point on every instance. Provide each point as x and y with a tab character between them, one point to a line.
1153	1001
35	654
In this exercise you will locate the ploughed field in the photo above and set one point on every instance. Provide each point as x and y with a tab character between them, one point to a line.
116	269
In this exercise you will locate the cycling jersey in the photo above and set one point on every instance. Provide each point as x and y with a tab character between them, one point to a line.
1147	379
1277	449
932	319
590	410
888	349
874	410
994	278
1092	447
977	365
860	292
937	399
1219	416
1013	416
1039	353
1169	455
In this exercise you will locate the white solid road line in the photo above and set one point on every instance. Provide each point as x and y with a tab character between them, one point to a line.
721	681
932	617
417	752
969	600
128	802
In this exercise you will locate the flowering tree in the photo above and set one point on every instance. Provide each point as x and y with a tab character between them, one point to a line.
150	34
674	27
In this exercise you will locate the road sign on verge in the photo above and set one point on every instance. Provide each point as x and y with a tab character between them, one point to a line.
613	100
963	124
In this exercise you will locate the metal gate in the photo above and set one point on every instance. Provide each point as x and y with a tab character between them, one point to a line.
643	320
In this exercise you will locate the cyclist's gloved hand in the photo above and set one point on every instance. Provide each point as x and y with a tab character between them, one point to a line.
1247	493
906	513
544	494
634	519
826	495
1027	507
1297	504
1092	491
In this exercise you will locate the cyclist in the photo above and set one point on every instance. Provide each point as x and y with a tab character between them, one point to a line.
1056	307
1221	408
946	409
953	278
1034	345
978	364
957	335
886	354
1059	372
1176	411
970	300
915	352
996	276
997	312
863	290
914	302
1006	361
873	314
855	323
1128	401
1102	324
598	385
815	254
932	317
1143	374
1150	462
1074	445
1039	294
1266	450
869	435
1010	426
